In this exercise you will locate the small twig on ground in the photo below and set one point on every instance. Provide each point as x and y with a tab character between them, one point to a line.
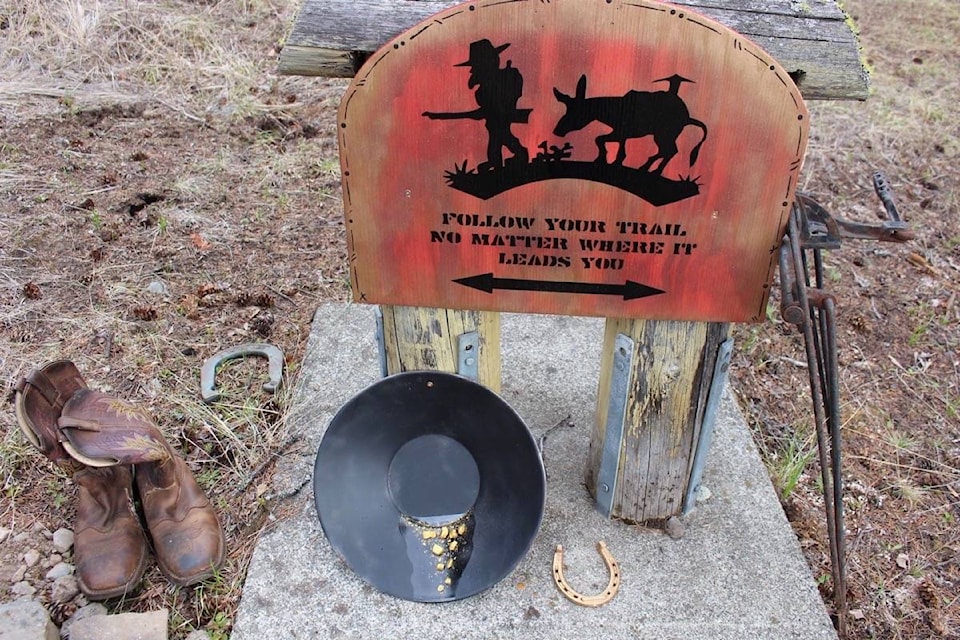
542	440
186	114
282	449
104	338
94	192
283	295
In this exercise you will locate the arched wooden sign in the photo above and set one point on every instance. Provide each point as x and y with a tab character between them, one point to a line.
580	157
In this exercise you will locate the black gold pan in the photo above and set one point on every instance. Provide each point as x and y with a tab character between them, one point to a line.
429	486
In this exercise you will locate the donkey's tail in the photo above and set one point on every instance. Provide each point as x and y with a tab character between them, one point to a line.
696	150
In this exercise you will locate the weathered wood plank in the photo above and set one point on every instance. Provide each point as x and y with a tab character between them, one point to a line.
811	39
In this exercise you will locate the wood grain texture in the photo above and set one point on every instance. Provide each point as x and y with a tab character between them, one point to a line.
811	39
422	338
673	364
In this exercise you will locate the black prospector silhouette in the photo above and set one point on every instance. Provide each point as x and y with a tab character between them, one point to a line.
497	94
636	114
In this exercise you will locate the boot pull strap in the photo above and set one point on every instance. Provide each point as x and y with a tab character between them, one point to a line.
70	422
39	380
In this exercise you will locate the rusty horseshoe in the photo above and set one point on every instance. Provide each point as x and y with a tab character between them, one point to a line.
209	369
613	585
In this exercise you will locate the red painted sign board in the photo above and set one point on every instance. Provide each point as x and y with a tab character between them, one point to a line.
578	157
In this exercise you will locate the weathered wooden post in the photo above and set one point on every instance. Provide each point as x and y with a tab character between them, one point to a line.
658	381
453	340
629	160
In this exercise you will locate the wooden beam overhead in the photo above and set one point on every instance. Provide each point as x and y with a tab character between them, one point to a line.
812	40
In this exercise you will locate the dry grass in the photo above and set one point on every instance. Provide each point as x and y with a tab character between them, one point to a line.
178	52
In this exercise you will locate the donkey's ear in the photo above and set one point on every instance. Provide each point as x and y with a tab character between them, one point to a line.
582	87
562	97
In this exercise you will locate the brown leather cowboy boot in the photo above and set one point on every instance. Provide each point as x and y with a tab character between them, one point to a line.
109	546
111	550
187	537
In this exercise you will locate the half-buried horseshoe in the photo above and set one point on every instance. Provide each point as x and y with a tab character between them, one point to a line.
269	351
588	601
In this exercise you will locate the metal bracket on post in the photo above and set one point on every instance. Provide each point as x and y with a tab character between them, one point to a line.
613	429
720	369
381	343
468	355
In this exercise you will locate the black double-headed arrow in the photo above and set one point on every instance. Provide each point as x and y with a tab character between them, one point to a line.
630	290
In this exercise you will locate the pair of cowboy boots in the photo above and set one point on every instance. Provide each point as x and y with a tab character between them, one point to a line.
111	446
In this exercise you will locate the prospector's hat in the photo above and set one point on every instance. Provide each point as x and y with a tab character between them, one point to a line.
429	486
482	51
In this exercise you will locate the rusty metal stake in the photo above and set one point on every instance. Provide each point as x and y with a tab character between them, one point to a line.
797	309
813	311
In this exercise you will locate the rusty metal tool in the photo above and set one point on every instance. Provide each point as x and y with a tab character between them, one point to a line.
806	304
209	370
602	598
821	230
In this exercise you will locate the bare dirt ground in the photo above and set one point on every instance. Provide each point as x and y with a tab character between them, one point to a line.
165	195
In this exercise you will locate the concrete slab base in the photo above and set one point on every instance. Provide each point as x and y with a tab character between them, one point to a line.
736	574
